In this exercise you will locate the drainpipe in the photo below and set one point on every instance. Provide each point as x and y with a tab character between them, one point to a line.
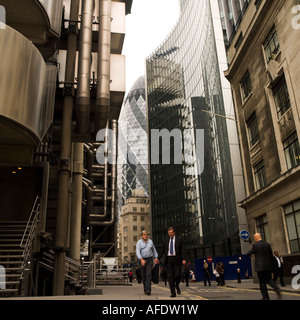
64	170
113	179
104	48
84	67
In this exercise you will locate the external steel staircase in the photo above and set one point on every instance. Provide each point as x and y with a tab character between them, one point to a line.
16	239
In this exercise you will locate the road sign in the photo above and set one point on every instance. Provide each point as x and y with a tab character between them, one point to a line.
245	235
209	259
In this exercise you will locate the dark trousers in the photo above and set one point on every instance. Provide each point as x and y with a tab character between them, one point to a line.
147	273
265	278
206	278
279	272
173	269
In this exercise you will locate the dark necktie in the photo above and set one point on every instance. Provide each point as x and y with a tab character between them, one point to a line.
171	247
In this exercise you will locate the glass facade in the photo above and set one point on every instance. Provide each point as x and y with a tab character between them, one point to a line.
184	92
133	147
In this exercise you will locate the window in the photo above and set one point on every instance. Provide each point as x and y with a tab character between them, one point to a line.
259	175
134	209
134	228
239	42
271	45
142	218
246	86
142	209
135	238
292	217
292	151
125	229
253	130
281	97
263	228
134	218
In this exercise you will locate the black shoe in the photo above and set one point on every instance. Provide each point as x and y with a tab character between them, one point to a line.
178	290
148	292
173	294
279	296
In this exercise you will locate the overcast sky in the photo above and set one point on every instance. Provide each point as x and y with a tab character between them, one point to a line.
147	26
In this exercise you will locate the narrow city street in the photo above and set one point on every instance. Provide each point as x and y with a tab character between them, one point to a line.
247	290
233	291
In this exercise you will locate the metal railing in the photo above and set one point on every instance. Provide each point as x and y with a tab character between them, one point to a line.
29	235
71	266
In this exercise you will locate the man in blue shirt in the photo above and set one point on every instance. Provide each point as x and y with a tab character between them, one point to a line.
145	251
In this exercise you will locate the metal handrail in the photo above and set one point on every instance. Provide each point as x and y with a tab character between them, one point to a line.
29	234
28	222
71	266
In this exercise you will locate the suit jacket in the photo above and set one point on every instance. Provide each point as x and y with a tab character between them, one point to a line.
263	256
179	249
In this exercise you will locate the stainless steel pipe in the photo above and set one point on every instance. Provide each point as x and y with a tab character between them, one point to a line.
104	48
84	67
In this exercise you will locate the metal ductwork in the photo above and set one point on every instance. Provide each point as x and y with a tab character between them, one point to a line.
104	48
84	67
113	181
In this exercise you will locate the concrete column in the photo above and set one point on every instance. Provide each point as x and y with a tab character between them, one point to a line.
64	174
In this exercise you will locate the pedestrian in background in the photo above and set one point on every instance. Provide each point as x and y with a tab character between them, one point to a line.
220	272
130	275
186	274
163	275
278	268
206	273
264	265
145	251
173	251
222	275
138	275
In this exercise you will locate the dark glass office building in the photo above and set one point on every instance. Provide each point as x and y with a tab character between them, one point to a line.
185	91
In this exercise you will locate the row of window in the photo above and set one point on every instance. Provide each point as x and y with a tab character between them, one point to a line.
134	218
282	104
134	228
292	156
292	221
134	238
134	209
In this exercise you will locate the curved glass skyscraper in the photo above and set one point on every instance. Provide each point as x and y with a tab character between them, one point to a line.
133	148
186	92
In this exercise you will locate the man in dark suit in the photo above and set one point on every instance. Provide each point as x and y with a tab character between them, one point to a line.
174	255
264	265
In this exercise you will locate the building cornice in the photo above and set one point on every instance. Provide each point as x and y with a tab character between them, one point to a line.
277	183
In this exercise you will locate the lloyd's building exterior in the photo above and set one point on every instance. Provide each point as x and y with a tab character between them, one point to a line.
62	80
187	91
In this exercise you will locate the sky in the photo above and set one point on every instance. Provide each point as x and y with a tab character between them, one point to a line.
149	23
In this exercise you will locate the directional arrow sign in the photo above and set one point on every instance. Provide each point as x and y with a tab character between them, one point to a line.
244	234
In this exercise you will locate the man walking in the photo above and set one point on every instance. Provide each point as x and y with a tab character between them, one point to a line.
174	253
278	268
145	251
263	265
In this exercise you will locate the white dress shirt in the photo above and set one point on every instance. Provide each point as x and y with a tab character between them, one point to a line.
174	252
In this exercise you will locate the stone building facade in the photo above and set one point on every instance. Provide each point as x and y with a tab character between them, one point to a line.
264	71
